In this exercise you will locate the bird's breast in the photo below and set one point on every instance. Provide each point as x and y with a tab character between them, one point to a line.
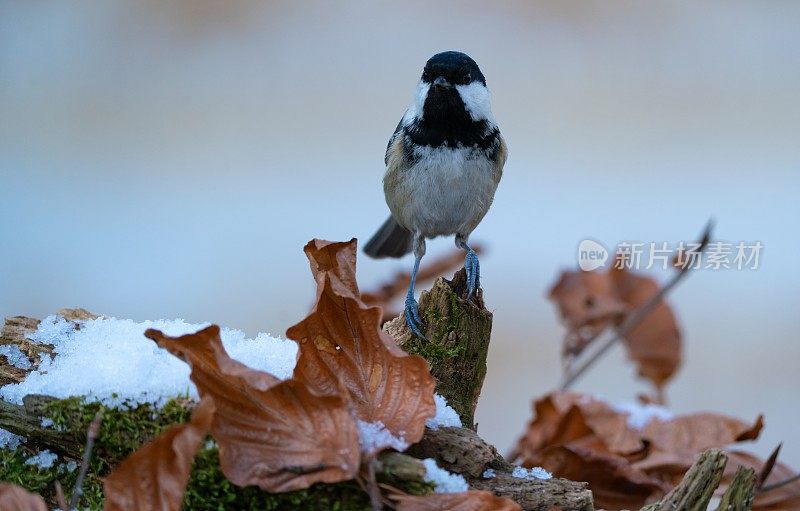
441	190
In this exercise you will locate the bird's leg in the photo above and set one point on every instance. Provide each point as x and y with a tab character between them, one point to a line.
413	319
471	265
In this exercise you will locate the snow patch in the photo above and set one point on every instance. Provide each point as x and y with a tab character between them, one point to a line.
69	466
531	473
445	416
443	481
373	436
640	415
489	473
119	367
43	460
15	356
9	440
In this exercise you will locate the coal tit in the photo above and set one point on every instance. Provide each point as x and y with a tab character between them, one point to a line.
443	164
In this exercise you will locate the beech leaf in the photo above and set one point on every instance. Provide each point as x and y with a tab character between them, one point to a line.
562	417
155	476
590	302
279	436
655	343
473	500
342	346
676	443
581	438
16	498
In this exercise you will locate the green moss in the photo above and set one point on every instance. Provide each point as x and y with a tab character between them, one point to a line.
125	430
209	490
14	470
439	348
122	430
434	351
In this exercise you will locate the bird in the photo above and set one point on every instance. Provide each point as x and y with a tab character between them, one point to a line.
443	164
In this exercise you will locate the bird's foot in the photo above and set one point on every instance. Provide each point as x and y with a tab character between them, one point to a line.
413	319
473	268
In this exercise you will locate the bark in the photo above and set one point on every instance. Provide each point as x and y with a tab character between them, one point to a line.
696	488
739	495
462	451
25	420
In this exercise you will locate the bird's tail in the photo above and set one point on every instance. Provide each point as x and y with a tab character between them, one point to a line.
391	240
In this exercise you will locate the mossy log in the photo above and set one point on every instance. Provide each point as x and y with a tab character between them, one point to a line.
459	450
457	332
26	420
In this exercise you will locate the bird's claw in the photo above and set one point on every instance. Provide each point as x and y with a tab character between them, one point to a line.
413	319
473	268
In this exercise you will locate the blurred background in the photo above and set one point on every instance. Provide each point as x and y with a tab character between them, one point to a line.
170	159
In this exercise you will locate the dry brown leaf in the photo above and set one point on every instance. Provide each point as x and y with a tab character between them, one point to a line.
16	498
655	343
473	500
585	439
590	302
342	345
279	436
676	443
563	417
155	476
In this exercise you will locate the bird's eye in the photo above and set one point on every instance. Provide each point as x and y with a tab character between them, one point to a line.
467	79
425	76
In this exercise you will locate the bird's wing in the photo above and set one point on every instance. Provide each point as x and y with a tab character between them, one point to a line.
397	131
500	157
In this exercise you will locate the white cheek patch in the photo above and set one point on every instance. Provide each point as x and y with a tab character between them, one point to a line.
417	107
476	99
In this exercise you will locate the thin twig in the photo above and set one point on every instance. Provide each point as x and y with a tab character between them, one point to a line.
60	499
779	484
91	436
639	314
372	485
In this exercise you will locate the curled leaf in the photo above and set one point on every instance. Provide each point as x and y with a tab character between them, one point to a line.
155	476
343	346
280	436
16	498
473	500
563	417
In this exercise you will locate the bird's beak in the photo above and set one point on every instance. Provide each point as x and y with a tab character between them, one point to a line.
441	83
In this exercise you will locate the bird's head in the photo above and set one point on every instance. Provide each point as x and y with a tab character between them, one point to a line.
451	89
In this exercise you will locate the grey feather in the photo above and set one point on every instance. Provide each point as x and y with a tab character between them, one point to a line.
391	240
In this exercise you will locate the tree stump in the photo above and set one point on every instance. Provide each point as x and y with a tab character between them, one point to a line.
457	334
